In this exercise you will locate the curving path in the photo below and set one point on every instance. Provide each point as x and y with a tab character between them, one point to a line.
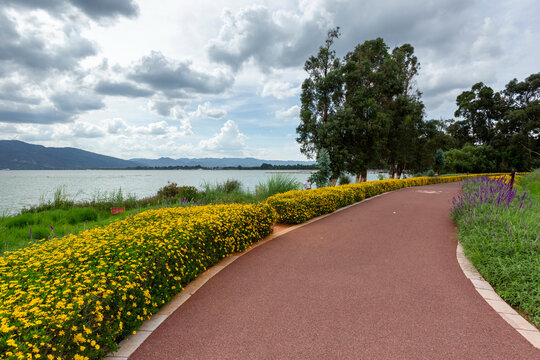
378	280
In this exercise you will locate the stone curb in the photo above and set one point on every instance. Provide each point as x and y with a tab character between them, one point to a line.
522	326
132	342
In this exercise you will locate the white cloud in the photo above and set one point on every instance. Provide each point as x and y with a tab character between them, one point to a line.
85	130
280	89
156	128
116	126
206	110
290	113
229	139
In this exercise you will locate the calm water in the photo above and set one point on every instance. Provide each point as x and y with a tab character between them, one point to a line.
24	188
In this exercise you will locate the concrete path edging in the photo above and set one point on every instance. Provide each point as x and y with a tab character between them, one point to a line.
133	341
522	326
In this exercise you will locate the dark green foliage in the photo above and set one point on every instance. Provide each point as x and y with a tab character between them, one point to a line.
508	121
169	191
470	159
230	186
188	193
363	109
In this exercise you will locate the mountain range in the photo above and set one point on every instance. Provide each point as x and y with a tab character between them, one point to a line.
18	155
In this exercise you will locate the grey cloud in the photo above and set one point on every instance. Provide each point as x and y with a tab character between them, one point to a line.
12	92
34	54
260	35
95	9
77	102
106	8
251	33
33	116
163	108
121	89
164	75
216	113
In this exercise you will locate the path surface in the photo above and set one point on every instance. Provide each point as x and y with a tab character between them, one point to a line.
378	280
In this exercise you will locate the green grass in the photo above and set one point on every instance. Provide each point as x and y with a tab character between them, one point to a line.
276	184
531	182
503	244
66	216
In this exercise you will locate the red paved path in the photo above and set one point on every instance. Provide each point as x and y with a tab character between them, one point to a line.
379	280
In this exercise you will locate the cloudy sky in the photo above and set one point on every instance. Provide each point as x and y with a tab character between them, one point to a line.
206	78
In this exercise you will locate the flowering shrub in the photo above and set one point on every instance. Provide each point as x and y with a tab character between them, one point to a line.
295	207
74	297
499	228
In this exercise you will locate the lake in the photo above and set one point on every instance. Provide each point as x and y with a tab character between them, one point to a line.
24	188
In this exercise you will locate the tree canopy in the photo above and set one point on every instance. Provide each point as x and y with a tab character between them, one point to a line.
365	111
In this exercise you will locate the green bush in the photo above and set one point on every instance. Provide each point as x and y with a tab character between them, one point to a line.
78	215
344	179
169	191
40	232
230	186
188	193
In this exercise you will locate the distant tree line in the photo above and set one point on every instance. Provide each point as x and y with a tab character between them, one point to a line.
366	112
263	166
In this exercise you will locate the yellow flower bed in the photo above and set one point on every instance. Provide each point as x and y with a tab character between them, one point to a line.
74	297
298	206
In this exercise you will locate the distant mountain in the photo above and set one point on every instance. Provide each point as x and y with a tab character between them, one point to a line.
18	155
216	162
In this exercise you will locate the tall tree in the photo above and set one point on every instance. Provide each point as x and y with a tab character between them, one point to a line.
369	77
519	130
481	108
407	111
321	98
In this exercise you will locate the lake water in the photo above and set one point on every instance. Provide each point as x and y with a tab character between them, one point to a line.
24	188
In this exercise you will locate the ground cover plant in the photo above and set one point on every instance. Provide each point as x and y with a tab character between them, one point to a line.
499	228
74	297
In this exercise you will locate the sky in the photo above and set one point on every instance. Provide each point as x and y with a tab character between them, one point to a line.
205	78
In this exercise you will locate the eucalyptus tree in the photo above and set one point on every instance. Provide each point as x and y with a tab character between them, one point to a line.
322	97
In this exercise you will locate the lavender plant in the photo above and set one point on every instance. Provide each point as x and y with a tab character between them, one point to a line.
499	228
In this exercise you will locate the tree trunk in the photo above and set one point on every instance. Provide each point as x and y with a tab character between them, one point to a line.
391	170
333	181
358	179
364	175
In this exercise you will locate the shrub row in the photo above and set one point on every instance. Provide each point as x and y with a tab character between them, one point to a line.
295	207
74	297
